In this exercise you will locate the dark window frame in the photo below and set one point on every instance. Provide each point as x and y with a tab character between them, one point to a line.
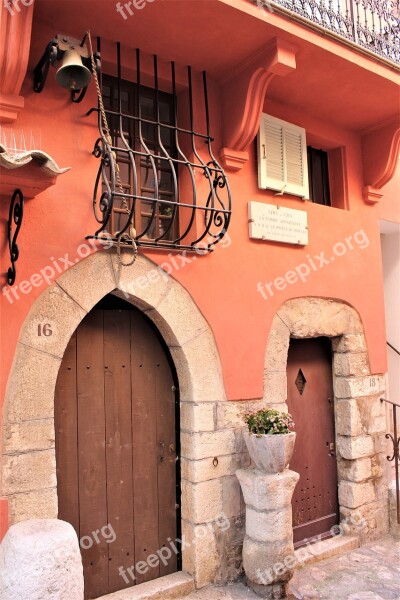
318	176
129	102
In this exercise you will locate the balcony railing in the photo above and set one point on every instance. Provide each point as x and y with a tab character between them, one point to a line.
373	25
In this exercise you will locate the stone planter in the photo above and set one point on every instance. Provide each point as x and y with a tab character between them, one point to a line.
270	453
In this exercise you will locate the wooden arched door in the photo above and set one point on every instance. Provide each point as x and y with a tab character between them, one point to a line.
116	410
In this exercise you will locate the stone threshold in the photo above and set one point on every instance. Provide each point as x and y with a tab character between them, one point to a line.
323	549
176	585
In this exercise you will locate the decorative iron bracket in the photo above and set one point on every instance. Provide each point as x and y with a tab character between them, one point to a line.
14	217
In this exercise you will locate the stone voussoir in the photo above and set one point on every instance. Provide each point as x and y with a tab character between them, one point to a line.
349	343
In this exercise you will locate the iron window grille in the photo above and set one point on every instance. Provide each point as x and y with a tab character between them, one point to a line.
151	151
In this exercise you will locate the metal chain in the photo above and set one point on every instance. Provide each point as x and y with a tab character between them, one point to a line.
130	238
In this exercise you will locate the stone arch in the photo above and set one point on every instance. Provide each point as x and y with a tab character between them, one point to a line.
359	415
29	469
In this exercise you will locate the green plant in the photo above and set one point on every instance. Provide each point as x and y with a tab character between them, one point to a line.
269	422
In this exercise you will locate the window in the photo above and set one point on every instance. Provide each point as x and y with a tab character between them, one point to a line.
282	164
318	176
164	221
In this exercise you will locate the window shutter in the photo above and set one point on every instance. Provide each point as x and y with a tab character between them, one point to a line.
282	161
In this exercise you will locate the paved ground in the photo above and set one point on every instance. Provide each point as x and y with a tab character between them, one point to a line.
368	573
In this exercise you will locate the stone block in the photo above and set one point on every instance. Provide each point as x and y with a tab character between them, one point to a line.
208	468
267	564
232	502
28	472
229	539
30	395
351	364
275	387
355	470
356	387
380	443
348	418
370	521
352	448
269	526
29	435
265	491
41	504
277	346
354	495
39	560
230	414
201	502
60	313
195	446
197	417
200	558
349	343
313	317
97	267
373	414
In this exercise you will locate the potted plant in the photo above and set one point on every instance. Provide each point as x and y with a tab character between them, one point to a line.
269	440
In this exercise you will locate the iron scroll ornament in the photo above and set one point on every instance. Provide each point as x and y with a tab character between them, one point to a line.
14	217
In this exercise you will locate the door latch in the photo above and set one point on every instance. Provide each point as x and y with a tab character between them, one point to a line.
332	448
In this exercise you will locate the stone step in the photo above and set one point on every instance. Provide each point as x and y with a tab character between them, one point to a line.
334	546
176	585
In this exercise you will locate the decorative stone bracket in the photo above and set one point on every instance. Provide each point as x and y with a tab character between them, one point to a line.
380	148
16	27
243	98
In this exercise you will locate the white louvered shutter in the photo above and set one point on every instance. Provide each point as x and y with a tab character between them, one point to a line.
282	164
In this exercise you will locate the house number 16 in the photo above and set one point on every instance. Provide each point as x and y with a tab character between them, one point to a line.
45	330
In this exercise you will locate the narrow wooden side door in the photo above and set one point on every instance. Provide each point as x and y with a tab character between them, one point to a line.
310	401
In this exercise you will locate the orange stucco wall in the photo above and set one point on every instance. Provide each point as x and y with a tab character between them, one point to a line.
225	284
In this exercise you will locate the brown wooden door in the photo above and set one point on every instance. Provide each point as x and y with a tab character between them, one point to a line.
310	401
116	449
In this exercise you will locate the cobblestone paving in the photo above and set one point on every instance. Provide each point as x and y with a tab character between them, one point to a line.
368	573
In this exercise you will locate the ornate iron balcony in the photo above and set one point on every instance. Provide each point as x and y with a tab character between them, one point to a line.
372	24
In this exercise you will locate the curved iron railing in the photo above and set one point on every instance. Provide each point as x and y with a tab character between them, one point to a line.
190	220
372	24
395	439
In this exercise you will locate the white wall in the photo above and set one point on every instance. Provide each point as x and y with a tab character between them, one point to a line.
390	242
